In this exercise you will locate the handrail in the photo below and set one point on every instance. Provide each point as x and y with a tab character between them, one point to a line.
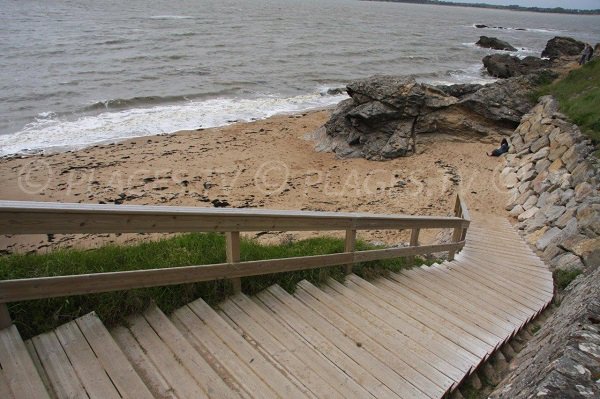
25	217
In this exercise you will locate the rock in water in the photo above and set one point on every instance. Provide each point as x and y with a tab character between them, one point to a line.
386	114
562	46
494	43
506	66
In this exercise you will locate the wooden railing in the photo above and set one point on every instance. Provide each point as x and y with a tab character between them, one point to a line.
17	217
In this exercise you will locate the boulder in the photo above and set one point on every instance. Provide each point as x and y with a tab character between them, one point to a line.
506	66
589	251
528	213
567	261
562	46
539	144
386	115
494	43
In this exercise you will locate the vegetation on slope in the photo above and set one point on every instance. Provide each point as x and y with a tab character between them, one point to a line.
579	97
34	317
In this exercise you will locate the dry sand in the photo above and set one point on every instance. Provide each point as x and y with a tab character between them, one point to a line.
263	164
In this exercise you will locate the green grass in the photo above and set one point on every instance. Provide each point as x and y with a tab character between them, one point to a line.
562	278
579	95
36	316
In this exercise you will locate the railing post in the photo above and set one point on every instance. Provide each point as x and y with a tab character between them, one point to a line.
5	320
232	240
349	247
414	242
456	235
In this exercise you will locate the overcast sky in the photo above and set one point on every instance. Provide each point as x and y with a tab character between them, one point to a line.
582	4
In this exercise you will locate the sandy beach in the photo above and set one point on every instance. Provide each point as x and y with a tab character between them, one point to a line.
264	164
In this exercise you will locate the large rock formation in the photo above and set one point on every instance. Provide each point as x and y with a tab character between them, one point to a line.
562	47
494	43
506	66
387	115
563	359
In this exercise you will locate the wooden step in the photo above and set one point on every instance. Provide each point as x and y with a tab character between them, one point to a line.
297	345
19	377
247	365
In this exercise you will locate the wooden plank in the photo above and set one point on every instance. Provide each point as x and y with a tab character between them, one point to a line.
437	349
519	266
112	359
178	377
455	278
295	344
273	377
24	217
186	355
509	294
61	374
232	250
238	373
258	335
5	320
48	287
528	284
449	298
430	388
326	347
349	246
478	326
85	363
40	369
18	369
5	391
472	298
452	333
144	367
395	382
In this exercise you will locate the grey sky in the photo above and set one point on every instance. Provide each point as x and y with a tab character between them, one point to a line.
581	4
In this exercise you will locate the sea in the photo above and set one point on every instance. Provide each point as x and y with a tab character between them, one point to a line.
75	73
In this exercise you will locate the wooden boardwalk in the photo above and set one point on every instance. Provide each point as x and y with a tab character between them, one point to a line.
415	334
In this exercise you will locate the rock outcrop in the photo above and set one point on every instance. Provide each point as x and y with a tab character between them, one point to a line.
555	188
563	359
387	115
506	66
562	47
494	43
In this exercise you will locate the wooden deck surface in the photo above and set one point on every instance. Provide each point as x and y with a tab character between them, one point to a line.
414	334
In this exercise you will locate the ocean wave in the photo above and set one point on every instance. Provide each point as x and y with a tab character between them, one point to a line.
52	133
538	30
171	17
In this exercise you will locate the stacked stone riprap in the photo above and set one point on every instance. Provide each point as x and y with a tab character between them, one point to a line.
554	181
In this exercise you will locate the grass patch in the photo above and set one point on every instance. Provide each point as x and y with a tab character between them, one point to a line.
36	316
579	95
562	278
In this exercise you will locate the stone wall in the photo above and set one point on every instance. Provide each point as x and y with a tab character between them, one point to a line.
555	184
554	180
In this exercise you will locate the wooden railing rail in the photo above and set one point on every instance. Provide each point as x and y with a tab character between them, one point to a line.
18	217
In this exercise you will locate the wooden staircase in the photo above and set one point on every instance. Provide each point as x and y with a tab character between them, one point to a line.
414	334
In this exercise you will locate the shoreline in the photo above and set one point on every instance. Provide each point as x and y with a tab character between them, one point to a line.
262	164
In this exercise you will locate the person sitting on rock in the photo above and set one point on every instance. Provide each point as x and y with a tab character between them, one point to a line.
500	150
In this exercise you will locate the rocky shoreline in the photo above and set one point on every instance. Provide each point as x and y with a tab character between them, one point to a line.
390	116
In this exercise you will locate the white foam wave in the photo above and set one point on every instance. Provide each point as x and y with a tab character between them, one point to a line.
171	17
51	133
